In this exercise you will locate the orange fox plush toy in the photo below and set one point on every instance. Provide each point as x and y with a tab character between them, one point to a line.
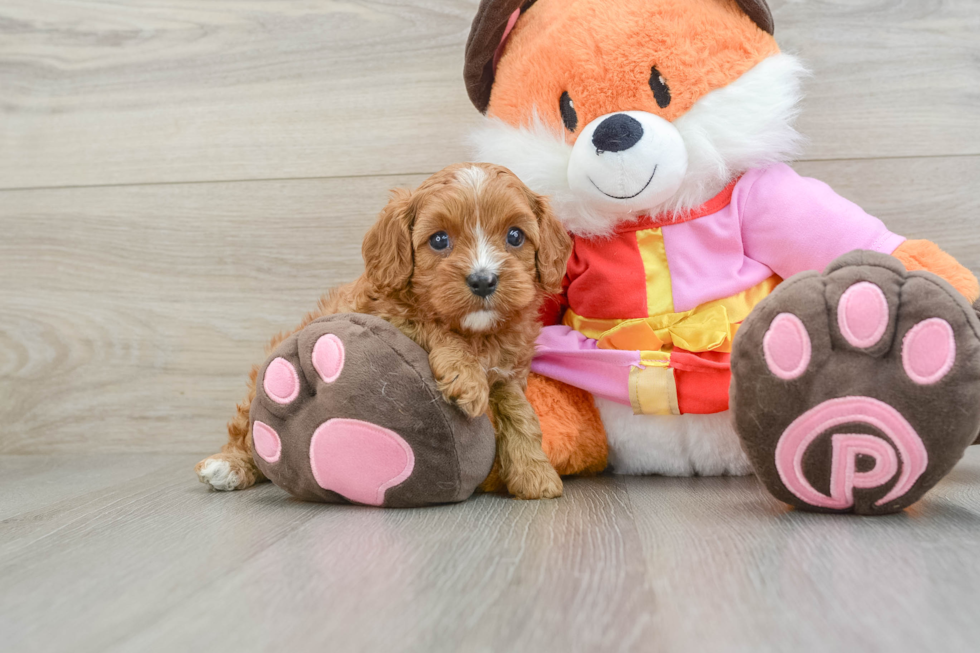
661	130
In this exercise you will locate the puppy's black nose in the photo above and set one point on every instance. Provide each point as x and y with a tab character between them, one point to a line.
617	133
482	284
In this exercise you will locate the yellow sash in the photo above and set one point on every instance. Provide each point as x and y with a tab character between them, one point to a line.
709	327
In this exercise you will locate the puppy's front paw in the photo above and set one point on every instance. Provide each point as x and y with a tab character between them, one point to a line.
468	391
535	481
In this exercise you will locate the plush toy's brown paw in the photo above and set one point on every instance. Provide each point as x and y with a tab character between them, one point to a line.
859	389
346	409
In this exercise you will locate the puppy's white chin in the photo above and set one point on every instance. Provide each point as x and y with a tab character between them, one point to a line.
480	321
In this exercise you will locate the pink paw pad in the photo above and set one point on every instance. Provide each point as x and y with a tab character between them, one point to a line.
266	442
862	314
786	347
328	357
929	351
281	382
359	460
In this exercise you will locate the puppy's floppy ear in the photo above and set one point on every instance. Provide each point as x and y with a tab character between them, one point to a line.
554	244
387	247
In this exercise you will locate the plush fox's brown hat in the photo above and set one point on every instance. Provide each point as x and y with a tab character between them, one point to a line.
490	25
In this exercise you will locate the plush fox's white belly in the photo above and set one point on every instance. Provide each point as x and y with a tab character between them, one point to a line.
671	445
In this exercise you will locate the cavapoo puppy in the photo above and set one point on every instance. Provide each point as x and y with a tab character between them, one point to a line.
461	266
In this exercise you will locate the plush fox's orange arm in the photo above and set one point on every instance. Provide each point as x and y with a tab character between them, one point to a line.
925	255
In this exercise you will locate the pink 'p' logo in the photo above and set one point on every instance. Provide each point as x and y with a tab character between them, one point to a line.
905	456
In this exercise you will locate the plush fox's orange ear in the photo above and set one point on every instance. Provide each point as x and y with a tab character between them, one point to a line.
490	26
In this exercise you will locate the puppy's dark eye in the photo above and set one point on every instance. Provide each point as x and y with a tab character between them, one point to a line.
515	237
568	115
439	241
661	92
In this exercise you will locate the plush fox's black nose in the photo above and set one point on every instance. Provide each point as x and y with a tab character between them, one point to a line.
482	284
616	133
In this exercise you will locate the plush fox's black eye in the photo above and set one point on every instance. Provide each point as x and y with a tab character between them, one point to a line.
661	92
567	108
515	237
439	241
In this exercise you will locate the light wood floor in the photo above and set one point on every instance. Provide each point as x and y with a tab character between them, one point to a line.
179	179
126	552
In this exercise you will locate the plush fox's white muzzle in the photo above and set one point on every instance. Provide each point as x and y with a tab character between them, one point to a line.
624	162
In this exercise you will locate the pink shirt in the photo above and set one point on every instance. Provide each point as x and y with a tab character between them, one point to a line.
776	222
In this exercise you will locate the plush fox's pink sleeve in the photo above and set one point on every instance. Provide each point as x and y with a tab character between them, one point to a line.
792	223
568	356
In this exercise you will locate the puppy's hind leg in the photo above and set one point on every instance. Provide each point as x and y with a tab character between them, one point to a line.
523	465
234	468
